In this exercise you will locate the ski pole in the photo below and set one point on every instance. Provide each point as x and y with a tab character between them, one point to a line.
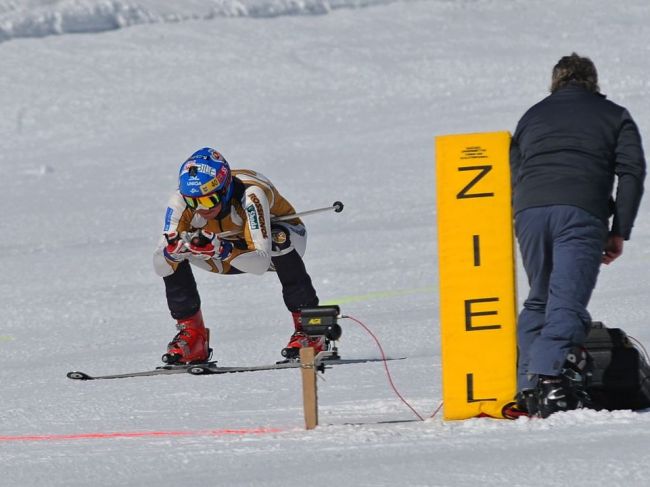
337	206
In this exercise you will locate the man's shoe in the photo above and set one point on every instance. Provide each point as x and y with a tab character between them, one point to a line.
558	393
524	405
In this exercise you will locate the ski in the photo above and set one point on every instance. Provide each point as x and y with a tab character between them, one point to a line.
321	366
211	368
162	370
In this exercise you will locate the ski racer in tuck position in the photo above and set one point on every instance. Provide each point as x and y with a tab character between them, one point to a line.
212	199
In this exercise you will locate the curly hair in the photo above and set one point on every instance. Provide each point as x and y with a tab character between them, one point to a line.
575	69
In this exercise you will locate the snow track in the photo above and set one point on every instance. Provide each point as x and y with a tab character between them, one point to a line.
93	128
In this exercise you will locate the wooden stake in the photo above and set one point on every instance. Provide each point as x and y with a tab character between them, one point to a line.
309	389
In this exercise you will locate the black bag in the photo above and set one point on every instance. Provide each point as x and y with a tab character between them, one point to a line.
620	375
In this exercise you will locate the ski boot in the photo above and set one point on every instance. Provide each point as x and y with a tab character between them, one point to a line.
568	390
191	343
525	404
556	394
316	328
300	339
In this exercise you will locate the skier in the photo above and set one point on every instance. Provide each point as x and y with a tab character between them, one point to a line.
565	155
212	199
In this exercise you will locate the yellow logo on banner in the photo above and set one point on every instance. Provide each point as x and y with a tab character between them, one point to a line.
477	274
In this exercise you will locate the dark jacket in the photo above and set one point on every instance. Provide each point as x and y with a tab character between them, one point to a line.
567	150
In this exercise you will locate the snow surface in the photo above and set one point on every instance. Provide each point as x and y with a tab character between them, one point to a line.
38	18
337	106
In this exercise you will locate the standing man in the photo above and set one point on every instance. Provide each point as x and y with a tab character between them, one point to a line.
565	155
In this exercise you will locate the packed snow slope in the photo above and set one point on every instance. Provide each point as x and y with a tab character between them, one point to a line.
341	106
37	18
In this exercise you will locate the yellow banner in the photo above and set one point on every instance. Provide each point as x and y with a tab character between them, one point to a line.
477	274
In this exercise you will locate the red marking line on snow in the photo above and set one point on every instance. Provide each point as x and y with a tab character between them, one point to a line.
142	434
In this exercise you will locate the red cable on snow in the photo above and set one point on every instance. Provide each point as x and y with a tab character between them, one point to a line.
383	357
139	434
437	410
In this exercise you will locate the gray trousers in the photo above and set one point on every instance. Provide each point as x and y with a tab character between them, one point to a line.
561	247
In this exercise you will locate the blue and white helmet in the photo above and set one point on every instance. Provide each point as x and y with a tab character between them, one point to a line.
205	180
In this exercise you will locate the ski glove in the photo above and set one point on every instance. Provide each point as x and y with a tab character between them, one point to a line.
224	249
175	250
201	244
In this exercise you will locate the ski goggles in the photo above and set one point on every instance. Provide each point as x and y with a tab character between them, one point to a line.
207	202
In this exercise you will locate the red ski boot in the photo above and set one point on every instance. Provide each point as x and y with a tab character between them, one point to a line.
191	343
300	339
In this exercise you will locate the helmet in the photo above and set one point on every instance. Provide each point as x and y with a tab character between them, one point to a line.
205	173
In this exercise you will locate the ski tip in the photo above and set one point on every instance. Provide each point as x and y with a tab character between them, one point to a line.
78	376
